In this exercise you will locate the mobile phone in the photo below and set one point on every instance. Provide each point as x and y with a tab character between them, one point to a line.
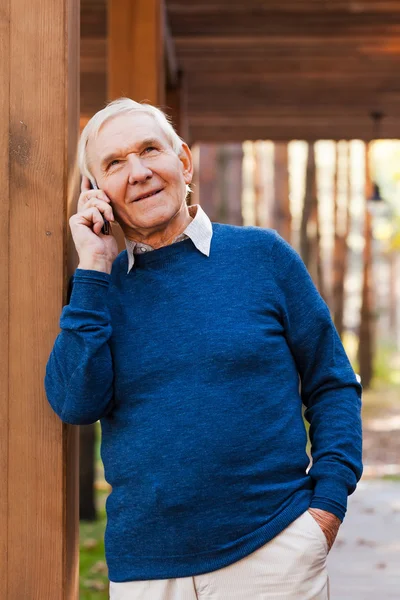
106	227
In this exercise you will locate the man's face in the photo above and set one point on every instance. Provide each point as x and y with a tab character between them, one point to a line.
135	165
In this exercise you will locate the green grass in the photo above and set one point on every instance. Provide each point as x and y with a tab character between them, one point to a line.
395	478
386	366
92	568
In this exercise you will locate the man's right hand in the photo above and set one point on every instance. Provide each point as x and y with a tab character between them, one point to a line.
96	251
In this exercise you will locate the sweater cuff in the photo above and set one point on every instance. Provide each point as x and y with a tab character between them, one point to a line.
330	495
89	289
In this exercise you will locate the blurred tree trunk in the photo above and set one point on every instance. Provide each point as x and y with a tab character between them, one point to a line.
317	250
282	214
393	294
230	165
307	207
259	189
310	250
365	348
205	184
340	253
87	440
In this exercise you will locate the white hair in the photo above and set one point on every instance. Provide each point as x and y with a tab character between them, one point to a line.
117	107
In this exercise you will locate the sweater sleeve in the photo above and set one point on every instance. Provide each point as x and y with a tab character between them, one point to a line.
329	388
79	373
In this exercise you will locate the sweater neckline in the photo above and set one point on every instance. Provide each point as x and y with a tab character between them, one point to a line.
165	254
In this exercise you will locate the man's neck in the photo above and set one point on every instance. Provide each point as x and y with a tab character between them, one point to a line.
161	237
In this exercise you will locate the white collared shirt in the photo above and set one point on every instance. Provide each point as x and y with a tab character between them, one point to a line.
199	231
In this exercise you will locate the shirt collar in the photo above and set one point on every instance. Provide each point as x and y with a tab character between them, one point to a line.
199	231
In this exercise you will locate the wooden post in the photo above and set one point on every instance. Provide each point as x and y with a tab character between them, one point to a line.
39	115
4	286
136	50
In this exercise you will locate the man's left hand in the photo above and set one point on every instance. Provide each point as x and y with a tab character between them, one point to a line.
328	522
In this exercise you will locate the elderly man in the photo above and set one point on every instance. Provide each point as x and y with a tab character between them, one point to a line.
189	347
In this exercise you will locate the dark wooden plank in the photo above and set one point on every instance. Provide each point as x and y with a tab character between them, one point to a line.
94	18
236	21
93	56
93	92
289	6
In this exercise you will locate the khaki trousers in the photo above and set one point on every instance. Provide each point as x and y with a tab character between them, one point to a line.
292	566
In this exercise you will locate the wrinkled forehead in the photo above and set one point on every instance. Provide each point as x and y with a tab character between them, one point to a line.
127	130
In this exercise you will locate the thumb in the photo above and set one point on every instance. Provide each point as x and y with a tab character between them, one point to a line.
85	185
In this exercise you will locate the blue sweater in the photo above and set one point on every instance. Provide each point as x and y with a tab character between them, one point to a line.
192	363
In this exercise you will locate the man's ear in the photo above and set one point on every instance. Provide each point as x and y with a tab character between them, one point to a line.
185	156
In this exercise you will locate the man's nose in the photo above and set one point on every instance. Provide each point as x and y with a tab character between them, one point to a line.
139	172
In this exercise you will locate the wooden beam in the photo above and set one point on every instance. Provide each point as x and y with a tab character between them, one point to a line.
136	50
39	67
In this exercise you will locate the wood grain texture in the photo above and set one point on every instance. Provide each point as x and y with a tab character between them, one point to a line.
4	291
136	50
43	124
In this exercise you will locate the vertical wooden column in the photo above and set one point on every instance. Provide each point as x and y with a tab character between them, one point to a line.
136	50
39	69
5	6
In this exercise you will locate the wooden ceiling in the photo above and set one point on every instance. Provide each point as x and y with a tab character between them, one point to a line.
269	69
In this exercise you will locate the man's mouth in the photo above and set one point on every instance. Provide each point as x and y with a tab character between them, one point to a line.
148	195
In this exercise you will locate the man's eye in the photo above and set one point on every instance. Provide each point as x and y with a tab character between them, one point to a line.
149	149
113	163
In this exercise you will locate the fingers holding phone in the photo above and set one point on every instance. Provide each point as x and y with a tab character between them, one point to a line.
96	250
91	196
